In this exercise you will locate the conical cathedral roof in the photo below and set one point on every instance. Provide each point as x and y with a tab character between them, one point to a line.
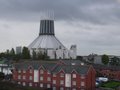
46	38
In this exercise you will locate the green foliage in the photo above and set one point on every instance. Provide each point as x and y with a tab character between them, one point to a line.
111	84
115	61
26	53
12	53
34	55
42	56
1	76
105	59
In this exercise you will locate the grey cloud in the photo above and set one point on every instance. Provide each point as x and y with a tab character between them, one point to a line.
94	11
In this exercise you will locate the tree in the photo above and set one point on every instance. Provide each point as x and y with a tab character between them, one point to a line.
34	55
115	61
1	76
42	55
25	53
105	59
11	54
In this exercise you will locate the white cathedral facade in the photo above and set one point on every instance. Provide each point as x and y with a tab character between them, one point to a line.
47	43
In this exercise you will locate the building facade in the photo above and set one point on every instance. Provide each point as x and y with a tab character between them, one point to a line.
55	75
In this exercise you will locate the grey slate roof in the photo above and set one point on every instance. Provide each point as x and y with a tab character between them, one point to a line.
48	65
81	69
35	65
68	62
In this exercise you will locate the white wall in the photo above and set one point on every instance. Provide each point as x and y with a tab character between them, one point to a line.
36	76
67	80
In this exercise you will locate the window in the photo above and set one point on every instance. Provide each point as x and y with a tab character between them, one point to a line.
74	89
19	71
54	75
48	72
24	77
82	89
30	84
24	83
41	85
54	81
48	85
41	71
19	77
61	82
74	75
54	88
74	82
24	71
61	74
82	77
30	78
30	70
82	83
41	78
48	79
19	82
61	88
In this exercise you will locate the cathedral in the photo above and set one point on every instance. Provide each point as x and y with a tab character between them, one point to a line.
47	43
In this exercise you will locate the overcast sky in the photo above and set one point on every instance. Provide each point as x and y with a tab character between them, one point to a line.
93	25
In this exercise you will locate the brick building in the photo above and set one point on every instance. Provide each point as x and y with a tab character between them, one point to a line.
58	75
112	72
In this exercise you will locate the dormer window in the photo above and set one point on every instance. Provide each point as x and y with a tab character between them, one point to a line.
24	71
74	75
48	72
30	70
41	71
61	74
19	71
82	77
54	75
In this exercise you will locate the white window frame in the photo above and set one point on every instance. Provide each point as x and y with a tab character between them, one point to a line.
19	71
54	81
61	88
48	86
48	78
74	89
24	77
41	71
24	71
31	71
19	76
41	85
61	82
30	84
74	83
54	75
82	76
19	83
82	84
48	72
74	75
24	84
41	78
30	77
61	74
54	88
